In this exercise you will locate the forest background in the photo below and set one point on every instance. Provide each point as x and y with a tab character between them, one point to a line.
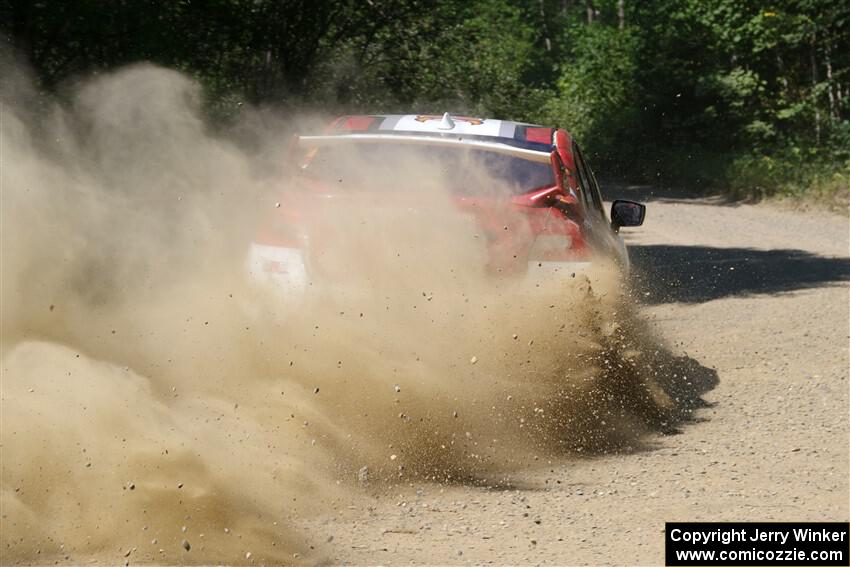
748	98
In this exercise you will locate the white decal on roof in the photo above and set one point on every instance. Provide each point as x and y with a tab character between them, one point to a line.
431	123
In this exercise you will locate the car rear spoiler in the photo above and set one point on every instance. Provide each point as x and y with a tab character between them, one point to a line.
532	155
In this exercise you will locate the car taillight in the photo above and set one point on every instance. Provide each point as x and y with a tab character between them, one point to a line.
277	264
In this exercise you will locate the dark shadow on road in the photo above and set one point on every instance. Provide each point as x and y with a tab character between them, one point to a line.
642	388
695	274
641	392
659	387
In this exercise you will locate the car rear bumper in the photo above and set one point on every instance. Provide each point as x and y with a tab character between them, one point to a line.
284	273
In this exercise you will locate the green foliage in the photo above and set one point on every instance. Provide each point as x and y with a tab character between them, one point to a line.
596	87
789	174
450	56
739	95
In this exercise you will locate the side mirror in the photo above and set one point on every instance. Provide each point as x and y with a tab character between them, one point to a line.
626	213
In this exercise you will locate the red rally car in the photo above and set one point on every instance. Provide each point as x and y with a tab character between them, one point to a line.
493	172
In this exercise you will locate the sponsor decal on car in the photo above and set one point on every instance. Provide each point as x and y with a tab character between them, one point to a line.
471	121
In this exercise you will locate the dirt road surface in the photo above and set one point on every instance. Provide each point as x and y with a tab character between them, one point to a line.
756	298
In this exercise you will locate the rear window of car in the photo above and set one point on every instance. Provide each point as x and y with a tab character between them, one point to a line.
460	171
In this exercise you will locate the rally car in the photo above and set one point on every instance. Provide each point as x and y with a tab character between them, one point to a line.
495	172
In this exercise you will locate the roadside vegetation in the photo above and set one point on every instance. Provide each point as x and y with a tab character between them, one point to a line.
744	97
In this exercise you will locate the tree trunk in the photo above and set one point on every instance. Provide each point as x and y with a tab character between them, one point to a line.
780	65
546	38
833	109
621	13
589	12
814	65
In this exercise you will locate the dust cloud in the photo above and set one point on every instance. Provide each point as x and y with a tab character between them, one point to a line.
158	406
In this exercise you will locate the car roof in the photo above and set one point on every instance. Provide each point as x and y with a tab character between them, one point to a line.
519	134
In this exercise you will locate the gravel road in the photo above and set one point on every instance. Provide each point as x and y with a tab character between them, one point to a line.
755	298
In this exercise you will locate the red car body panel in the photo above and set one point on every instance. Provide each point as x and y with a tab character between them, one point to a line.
558	225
